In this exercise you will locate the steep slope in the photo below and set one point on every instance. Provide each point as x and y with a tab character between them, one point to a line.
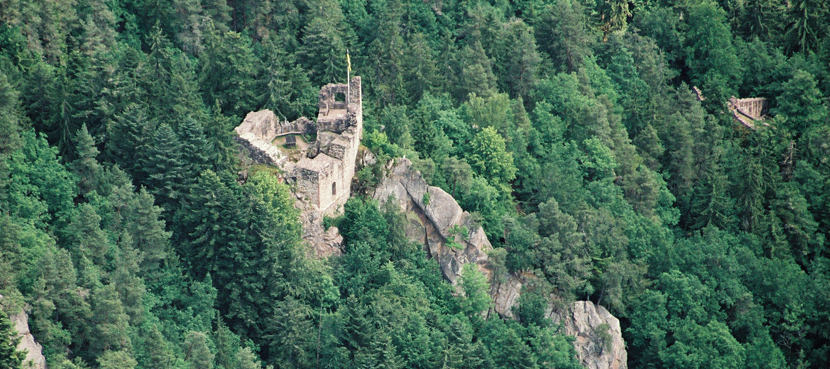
434	220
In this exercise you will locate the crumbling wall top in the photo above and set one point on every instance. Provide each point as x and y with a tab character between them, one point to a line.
747	111
333	96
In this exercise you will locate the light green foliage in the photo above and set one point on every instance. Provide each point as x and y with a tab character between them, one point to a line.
800	102
245	359
489	158
116	360
156	350
197	353
40	189
475	287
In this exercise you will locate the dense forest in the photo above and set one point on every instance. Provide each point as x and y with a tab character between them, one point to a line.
570	129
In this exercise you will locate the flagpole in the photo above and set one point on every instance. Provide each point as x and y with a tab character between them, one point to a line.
348	79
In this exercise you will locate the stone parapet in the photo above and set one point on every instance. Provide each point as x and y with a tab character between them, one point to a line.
261	151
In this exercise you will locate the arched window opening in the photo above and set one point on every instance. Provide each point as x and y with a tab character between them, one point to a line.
334	188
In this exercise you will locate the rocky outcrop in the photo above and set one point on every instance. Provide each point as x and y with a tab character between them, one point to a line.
449	233
433	218
34	351
599	343
505	295
324	242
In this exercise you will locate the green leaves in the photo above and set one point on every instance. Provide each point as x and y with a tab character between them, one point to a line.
489	158
9	356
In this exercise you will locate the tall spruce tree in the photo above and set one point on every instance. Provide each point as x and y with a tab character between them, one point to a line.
165	167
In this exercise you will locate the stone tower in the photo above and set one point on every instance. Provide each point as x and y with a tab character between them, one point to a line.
322	172
325	175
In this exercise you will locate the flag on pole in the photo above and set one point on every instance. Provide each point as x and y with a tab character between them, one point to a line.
348	62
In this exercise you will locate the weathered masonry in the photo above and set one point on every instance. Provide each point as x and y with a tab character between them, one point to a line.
748	111
323	173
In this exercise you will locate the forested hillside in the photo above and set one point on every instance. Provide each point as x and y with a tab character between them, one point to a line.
570	129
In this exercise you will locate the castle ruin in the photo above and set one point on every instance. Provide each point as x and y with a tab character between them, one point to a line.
748	111
323	172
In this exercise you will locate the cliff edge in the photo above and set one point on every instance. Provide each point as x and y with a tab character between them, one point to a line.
435	218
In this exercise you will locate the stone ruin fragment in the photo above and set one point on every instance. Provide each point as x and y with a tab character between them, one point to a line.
320	172
323	170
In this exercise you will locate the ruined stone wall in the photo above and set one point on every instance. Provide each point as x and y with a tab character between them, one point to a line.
258	124
334	123
325	174
300	126
261	151
265	125
330	173
747	111
754	108
307	183
355	133
339	129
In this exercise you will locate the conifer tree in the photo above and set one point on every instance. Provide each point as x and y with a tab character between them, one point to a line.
419	67
116	359
712	203
323	47
9	356
86	166
197	352
523	62
88	239
564	27
386	52
227	343
108	324
164	166
229	72
156	351
185	20
129	139
129	286
288	91
194	149
246	359
146	229
60	123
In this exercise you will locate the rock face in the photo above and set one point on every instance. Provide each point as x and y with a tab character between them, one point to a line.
435	219
431	220
324	242
599	343
505	294
34	355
